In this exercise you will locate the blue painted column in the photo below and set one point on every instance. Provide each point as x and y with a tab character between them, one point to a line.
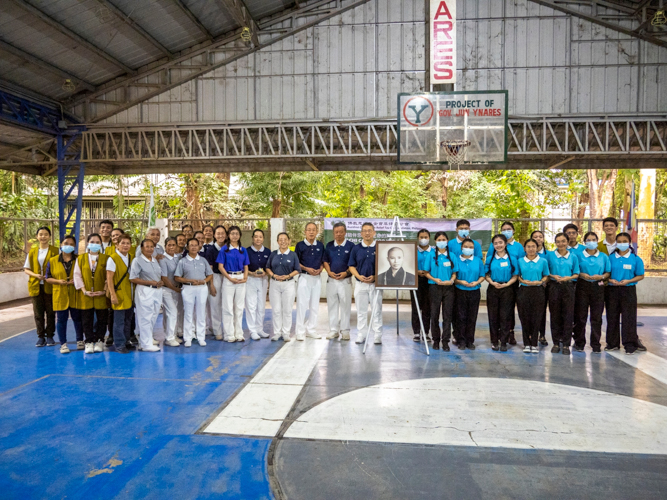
69	158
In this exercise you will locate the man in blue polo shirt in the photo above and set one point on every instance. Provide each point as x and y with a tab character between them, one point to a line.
462	232
339	284
362	267
310	253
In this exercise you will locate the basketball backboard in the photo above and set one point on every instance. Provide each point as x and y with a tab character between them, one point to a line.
429	121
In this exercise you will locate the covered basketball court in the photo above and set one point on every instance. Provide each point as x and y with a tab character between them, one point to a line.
120	87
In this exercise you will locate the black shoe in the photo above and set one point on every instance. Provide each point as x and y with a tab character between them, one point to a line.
454	341
543	340
597	348
512	339
130	346
109	341
50	342
503	347
630	350
640	347
566	349
416	337
122	350
495	346
555	349
578	348
461	345
609	348
471	347
134	339
41	342
445	346
436	345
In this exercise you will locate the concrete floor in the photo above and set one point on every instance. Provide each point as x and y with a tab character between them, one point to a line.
319	420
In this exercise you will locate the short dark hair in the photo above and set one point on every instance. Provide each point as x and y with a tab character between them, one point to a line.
92	235
125	237
187	225
118	229
570	226
256	231
367	224
507	223
146	240
198	232
613	220
424	230
106	221
43	228
462	222
187	244
591	233
530	240
340	224
171	238
558	235
280	234
309	223
536	231
69	237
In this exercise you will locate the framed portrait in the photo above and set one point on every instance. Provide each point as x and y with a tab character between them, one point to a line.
396	265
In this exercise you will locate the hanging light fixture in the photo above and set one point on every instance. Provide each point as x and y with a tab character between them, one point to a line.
68	85
246	34
659	19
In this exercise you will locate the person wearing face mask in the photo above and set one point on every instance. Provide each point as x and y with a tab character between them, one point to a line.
594	269
564	271
90	278
469	279
514	249
501	270
423	255
39	290
60	274
533	273
441	274
538	236
454	247
627	269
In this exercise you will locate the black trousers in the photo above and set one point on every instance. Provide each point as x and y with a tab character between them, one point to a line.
543	325
530	302
424	305
500	306
442	302
94	330
589	295
467	307
621	302
561	309
45	318
515	287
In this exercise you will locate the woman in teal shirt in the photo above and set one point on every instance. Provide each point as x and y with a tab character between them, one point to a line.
424	253
627	269
594	269
533	273
468	282
564	268
538	236
501	271
441	271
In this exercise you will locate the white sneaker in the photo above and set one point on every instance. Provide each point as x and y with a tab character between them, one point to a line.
230	339
156	342
202	343
64	349
99	346
80	345
264	335
526	349
378	340
311	335
218	337
90	349
254	336
188	343
180	340
172	343
534	350
332	335
360	339
287	338
300	338
345	336
276	337
151	348
240	338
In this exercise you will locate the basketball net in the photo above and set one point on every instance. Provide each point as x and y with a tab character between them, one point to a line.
455	151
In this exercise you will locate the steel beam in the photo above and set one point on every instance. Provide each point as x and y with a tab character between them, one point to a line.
70	34
184	8
50	68
70	173
26	113
135	26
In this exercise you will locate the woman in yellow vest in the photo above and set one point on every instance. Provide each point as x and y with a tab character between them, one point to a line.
38	289
60	274
90	276
116	233
120	293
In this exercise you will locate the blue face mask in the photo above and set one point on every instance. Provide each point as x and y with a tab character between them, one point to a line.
67	248
94	247
591	245
467	251
508	233
623	246
441	244
463	233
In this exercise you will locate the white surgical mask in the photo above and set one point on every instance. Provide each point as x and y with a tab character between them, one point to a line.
423	242
67	248
467	251
441	244
463	233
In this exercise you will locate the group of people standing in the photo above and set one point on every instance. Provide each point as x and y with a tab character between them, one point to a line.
204	281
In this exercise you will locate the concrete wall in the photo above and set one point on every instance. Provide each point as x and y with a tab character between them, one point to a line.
13	286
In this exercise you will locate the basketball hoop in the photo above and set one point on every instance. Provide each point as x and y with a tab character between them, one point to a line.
455	151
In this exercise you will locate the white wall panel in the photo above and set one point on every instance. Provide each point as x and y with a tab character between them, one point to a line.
353	65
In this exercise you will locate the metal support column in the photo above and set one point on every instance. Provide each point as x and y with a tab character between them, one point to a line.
69	157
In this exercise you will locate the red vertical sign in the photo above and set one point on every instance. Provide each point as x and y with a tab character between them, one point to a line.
443	41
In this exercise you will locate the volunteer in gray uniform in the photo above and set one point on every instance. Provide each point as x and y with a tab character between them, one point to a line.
282	267
146	275
153	234
171	293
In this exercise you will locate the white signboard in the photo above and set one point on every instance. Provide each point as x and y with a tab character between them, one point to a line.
443	41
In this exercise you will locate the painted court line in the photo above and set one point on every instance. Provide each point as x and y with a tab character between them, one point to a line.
649	363
262	405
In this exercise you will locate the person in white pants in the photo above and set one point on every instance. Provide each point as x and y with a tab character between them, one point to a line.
194	273
257	286
339	283
214	305
310	253
233	264
146	275
282	267
171	293
362	267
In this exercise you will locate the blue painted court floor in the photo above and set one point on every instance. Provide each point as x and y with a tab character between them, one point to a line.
393	423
